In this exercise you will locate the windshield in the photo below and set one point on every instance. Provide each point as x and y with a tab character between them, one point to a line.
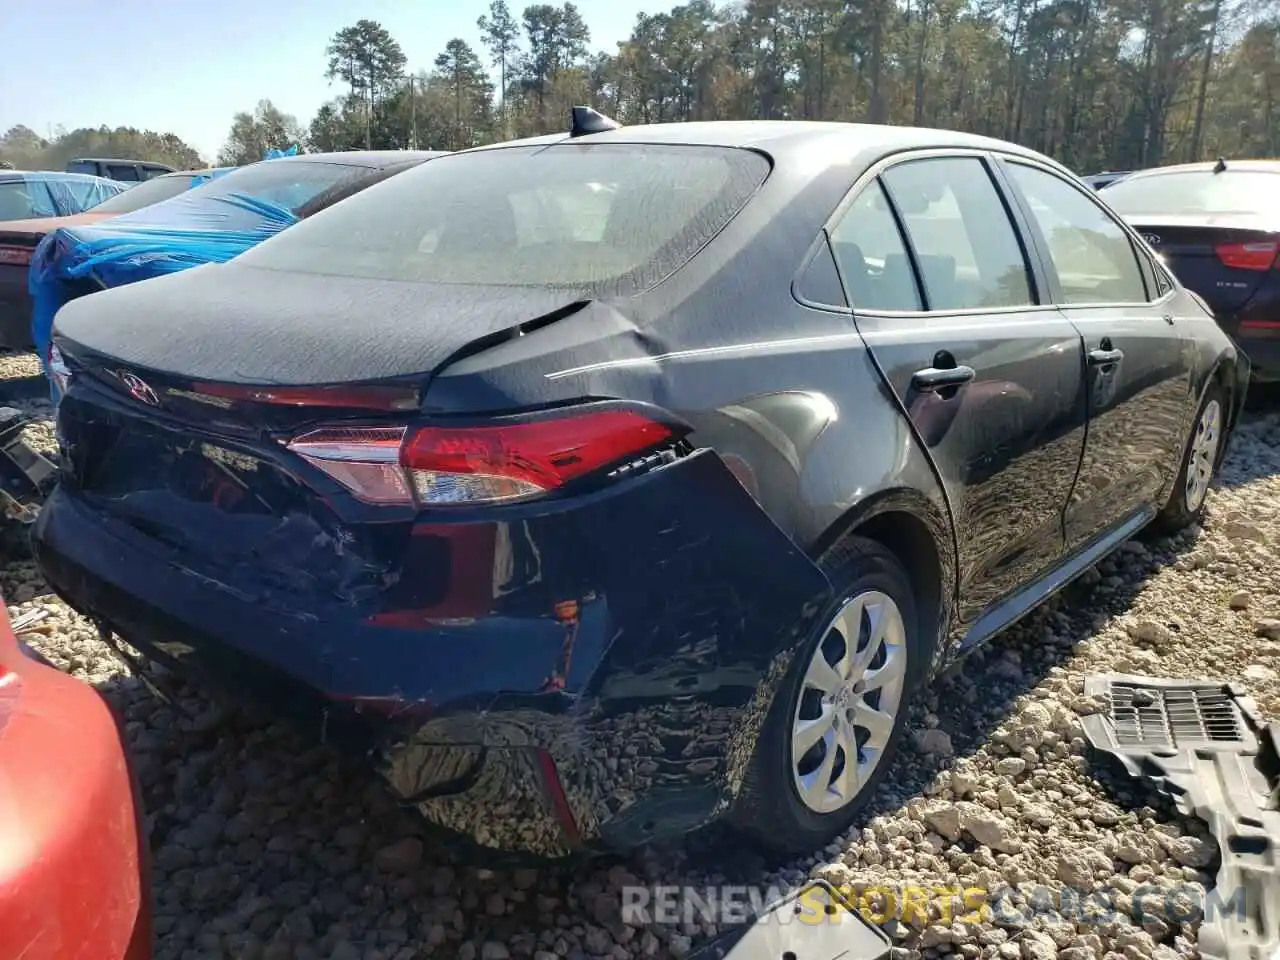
288	183
145	194
1196	191
612	218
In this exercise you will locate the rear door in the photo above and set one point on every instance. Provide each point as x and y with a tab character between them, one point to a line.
1139	356
989	372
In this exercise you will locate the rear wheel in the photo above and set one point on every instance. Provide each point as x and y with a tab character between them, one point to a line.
1186	502
836	722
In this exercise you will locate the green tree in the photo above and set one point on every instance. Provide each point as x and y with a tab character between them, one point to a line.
253	134
369	60
472	93
333	128
22	147
501	36
557	38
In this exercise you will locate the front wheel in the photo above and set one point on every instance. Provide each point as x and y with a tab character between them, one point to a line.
838	717
1190	490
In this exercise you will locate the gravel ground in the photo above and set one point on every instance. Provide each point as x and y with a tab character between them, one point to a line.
265	848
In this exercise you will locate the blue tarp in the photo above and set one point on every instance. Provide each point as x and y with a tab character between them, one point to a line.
200	226
54	194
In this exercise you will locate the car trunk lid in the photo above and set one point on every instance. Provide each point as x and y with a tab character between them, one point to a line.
1223	257
179	429
232	324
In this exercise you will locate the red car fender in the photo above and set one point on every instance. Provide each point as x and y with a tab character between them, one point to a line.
74	877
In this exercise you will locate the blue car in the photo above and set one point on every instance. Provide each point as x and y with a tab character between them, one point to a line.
208	224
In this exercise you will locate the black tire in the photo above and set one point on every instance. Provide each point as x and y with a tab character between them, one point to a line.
1178	513
769	809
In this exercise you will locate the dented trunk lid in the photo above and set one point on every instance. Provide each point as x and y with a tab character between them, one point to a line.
180	402
235	324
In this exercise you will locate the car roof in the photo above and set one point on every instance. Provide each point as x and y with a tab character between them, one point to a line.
50	175
782	138
375	159
202	172
1207	166
149	163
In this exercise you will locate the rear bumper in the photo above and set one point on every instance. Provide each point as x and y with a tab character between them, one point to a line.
74	874
614	697
1260	343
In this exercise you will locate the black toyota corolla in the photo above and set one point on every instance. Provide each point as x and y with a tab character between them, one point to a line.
601	486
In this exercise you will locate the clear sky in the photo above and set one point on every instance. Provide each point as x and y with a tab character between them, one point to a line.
186	68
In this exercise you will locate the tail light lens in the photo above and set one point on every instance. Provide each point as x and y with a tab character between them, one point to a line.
1248	256
15	256
488	463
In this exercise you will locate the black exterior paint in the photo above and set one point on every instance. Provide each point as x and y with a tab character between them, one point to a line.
432	641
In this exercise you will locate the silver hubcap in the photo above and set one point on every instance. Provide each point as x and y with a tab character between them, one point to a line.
1204	451
849	703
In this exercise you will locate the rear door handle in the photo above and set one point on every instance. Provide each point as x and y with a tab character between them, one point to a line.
1102	358
939	378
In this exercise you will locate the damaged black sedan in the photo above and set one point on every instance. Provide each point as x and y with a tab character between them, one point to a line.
600	486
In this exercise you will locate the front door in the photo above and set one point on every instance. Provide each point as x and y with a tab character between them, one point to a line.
1139	364
990	378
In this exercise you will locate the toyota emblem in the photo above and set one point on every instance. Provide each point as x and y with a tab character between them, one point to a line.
139	389
1152	238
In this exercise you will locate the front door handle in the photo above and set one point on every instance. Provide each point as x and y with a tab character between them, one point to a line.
1104	358
939	378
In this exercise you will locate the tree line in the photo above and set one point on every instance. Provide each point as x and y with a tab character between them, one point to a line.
1098	84
24	149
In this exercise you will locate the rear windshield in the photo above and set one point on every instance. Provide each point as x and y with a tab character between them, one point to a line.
1196	191
145	194
295	184
607	218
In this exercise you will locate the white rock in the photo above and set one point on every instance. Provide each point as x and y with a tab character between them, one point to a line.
989	828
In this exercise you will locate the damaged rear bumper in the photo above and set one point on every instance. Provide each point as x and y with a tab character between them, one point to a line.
581	673
26	477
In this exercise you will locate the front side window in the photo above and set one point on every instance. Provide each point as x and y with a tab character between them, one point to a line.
966	246
1091	253
611	219
872	257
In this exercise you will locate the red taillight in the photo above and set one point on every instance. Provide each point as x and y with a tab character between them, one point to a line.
1248	256
15	256
486	463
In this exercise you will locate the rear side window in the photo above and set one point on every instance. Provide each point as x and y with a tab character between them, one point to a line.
1091	253
82	166
606	218
964	241
122	171
872	256
294	184
144	195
